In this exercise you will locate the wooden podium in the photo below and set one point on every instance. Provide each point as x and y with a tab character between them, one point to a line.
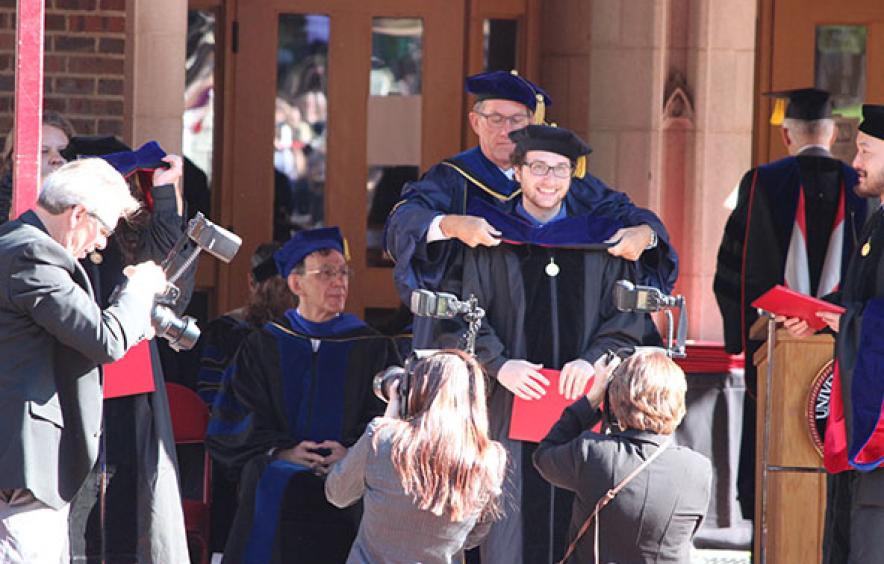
790	484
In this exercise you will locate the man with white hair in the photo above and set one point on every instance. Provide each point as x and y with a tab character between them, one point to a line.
795	224
53	339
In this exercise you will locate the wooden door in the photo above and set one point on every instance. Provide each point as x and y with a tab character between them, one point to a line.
369	93
838	46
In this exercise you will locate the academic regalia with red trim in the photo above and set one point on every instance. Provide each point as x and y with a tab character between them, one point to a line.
751	263
854	442
767	202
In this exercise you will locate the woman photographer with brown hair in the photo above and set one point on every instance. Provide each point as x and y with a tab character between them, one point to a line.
431	479
641	495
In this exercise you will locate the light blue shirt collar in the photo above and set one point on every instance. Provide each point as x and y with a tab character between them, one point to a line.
523	213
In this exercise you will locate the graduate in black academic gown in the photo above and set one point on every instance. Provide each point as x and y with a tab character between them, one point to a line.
547	294
484	173
298	393
854	442
796	223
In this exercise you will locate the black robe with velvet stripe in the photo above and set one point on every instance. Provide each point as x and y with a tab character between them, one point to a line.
549	320
750	264
752	258
450	186
864	282
863	285
277	393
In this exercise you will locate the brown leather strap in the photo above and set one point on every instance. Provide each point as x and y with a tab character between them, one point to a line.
605	499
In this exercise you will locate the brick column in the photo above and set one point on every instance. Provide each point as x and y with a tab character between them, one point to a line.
83	63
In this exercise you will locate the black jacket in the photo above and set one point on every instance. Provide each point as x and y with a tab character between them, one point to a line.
654	517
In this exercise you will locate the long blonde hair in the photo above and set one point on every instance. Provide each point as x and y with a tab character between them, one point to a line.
442	451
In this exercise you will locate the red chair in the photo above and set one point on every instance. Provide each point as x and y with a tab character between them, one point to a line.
190	418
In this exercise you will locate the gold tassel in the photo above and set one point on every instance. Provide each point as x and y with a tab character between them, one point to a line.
779	112
539	110
346	249
580	167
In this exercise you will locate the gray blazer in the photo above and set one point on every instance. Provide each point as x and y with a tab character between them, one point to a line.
654	517
393	530
53	337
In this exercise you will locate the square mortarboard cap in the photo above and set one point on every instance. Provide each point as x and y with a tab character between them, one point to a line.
503	85
92	146
148	157
554	140
141	162
806	104
873	121
305	242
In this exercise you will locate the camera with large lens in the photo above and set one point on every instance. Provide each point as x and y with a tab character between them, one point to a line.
181	332
382	385
202	235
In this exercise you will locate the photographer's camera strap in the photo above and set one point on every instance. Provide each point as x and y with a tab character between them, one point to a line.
605	499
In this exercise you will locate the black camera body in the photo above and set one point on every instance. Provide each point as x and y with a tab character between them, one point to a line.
383	384
181	332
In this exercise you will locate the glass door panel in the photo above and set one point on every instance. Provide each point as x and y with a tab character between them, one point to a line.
354	109
299	124
394	122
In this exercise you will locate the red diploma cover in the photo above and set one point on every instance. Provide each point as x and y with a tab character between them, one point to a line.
780	300
532	419
132	374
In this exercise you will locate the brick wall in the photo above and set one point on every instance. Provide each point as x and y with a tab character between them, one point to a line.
83	63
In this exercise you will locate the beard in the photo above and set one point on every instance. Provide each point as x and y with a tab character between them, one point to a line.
871	184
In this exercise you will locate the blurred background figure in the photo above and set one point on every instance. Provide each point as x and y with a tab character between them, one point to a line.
56	134
269	298
429	474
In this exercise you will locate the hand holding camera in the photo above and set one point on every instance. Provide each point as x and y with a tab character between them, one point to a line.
604	369
574	377
146	278
393	404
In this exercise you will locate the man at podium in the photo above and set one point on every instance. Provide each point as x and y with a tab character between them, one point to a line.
794	224
854	443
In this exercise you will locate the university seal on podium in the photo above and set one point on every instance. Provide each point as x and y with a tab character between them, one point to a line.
817	408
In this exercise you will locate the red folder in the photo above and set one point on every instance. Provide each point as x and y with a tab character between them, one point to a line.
132	374
532	419
780	300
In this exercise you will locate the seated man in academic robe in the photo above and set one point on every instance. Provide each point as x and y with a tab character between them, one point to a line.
298	393
546	290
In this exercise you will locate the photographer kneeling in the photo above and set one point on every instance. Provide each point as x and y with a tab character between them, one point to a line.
662	490
431	479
